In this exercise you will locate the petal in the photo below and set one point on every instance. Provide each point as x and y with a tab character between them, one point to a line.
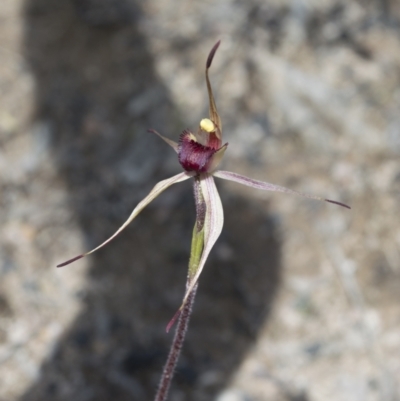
213	108
173	144
213	223
160	187
217	158
266	186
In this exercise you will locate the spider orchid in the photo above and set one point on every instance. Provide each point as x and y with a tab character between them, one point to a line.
200	154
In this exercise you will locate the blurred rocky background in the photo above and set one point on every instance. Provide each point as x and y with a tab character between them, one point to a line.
300	299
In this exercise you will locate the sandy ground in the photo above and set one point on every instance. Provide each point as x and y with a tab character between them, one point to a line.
300	299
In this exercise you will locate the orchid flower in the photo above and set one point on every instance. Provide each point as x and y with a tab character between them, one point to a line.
200	154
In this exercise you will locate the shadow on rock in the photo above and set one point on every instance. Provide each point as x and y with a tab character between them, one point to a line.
97	88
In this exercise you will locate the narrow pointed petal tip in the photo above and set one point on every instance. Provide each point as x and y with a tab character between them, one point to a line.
71	260
173	320
338	203
171	143
212	53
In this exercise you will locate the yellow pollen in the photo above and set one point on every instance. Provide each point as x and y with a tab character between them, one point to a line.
207	125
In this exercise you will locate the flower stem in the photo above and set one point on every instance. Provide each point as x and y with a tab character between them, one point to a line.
175	350
184	317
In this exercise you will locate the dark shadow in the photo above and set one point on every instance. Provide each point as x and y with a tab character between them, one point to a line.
97	88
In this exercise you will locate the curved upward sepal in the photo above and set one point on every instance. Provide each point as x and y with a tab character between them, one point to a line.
214	116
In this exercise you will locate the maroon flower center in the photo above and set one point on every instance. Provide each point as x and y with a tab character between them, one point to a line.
193	156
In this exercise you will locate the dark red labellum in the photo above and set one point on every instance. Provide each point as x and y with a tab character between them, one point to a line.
193	156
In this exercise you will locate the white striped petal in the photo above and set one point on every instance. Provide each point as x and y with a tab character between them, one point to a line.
160	187
266	186
213	223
